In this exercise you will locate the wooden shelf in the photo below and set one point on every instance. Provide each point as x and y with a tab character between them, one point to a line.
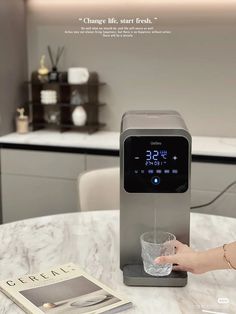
61	104
90	128
89	91
65	84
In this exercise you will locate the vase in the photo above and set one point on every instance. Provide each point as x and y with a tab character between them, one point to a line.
79	116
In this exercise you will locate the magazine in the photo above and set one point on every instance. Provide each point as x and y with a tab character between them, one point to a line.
63	289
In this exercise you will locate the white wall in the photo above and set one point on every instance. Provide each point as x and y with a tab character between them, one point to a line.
192	70
13	61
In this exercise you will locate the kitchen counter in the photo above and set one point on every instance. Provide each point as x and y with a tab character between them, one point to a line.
91	239
107	143
42	164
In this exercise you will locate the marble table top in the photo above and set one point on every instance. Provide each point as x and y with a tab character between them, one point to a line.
90	239
202	145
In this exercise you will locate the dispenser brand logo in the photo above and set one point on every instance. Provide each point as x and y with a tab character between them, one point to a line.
155	143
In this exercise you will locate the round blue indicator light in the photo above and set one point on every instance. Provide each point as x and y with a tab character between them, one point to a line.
155	180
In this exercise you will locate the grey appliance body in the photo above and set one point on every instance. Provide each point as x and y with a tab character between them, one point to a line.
155	164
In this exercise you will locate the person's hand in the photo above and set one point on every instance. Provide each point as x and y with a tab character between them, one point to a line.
186	259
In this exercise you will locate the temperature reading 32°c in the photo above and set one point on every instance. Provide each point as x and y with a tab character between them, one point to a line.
156	157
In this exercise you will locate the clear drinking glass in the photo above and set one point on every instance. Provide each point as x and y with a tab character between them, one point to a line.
154	244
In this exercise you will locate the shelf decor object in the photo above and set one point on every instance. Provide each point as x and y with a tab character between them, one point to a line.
43	71
54	74
79	116
75	98
22	122
48	97
78	75
76	107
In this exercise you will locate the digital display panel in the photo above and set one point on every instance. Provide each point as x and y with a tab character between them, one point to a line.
156	164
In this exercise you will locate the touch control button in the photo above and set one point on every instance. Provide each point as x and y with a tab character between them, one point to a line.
155	180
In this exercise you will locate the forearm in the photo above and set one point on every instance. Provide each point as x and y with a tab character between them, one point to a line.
199	262
231	254
214	258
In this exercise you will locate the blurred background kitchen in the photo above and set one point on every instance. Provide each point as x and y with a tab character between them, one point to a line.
191	70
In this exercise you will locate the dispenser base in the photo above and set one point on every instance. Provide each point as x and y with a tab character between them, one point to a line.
134	275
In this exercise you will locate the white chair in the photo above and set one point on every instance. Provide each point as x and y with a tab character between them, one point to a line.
99	189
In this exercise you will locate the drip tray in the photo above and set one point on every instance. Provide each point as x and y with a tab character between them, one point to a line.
134	275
